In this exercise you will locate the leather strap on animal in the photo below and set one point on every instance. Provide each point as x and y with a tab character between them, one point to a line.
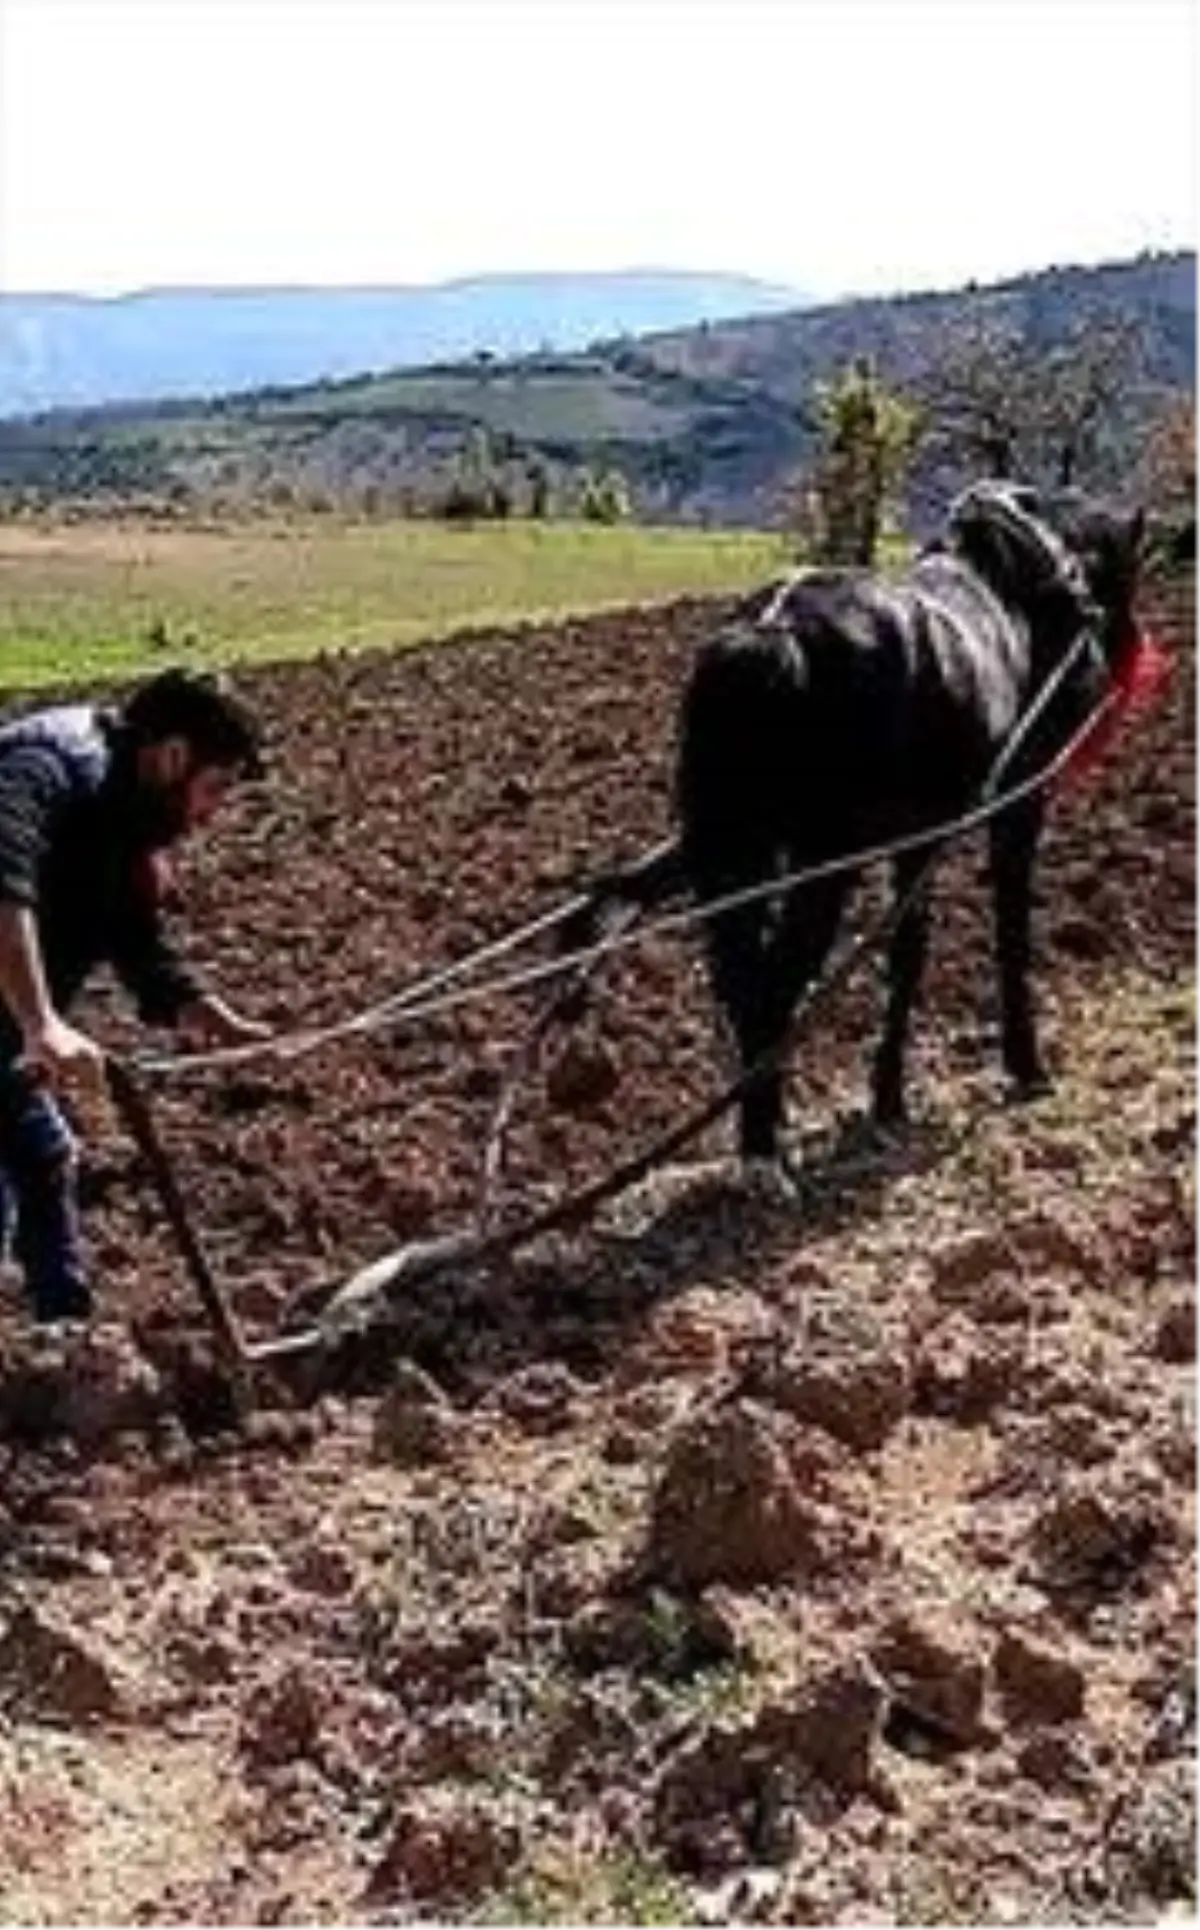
1139	673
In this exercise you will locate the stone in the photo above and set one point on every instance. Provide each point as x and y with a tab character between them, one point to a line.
833	1726
1096	1533
731	1796
959	1267
728	1504
1036	1682
444	1847
1056	1759
859	1397
583	1077
963	1372
541	1398
90	1383
281	1720
50	1672
935	1671
718	1804
322	1568
1175	1331
849	1375
424	1663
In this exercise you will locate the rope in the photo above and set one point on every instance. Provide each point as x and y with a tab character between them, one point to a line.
426	998
290	1045
494	1244
524	1059
350	1304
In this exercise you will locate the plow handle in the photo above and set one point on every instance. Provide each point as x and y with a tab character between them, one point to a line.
134	1110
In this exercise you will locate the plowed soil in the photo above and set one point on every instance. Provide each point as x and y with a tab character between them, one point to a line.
815	1560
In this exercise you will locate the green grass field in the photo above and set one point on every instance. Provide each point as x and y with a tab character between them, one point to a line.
82	601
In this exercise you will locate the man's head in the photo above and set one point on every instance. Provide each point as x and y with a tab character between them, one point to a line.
190	740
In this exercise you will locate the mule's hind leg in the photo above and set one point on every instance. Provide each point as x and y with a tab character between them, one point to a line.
736	946
787	961
905	965
1014	838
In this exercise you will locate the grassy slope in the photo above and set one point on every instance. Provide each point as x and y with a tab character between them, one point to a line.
80	601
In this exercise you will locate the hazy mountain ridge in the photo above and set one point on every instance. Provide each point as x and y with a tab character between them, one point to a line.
706	423
73	350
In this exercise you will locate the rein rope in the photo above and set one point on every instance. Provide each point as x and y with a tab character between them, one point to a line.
489	1240
438	993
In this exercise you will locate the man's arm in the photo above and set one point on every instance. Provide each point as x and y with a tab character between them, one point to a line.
22	973
33	789
50	1046
148	965
167	992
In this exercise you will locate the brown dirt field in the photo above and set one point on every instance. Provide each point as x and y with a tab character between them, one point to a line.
738	1558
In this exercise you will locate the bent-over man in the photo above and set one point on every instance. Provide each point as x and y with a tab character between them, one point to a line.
90	799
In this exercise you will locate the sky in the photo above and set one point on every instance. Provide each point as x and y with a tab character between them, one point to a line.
830	146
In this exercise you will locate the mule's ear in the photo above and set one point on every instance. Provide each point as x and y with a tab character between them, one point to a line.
1135	535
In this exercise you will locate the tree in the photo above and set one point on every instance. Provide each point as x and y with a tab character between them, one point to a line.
1078	387
538	478
605	498
1002	405
1167	469
976	404
1165	479
477	488
868	435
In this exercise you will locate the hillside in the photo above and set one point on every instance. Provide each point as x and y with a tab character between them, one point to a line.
909	333
704	423
58	350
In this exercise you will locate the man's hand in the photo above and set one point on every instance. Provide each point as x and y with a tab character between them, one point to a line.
63	1057
208	1021
51	1049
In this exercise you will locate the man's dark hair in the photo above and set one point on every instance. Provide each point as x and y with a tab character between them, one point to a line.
201	707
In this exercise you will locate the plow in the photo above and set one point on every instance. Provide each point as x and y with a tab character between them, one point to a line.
361	1302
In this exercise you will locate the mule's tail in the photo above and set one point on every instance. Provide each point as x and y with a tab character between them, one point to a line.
745	753
744	726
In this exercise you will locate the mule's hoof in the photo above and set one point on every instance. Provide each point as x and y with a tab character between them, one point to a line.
887	1132
1033	1086
889	1122
771	1179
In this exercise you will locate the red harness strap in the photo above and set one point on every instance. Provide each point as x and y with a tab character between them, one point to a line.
1139	673
155	883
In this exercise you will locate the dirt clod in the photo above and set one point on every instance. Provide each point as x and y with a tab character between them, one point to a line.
935	1670
1037	1682
742	1497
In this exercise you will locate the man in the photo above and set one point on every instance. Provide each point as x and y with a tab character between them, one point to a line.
89	801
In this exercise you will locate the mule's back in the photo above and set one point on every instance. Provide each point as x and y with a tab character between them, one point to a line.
840	709
834	710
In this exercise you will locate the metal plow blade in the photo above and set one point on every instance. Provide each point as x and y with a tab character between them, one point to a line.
367	1295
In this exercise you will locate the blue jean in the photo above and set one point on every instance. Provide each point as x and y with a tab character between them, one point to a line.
39	1208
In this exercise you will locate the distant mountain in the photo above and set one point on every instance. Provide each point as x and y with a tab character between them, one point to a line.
75	350
710	423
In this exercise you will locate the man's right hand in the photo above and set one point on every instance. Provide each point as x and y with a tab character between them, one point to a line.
55	1052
